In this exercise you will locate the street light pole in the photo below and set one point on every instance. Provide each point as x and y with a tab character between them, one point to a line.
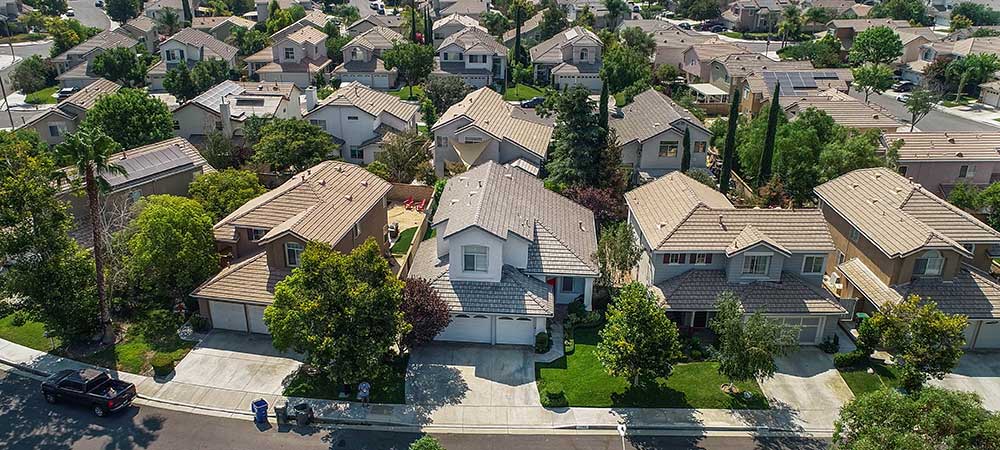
3	89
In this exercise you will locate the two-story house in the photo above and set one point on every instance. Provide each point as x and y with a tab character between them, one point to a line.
758	87
697	245
932	51
449	25
363	62
296	58
335	203
895	239
570	57
845	30
188	46
360	118
519	250
844	110
651	132
728	72
220	27
394	23
225	107
483	127
473	55
73	66
755	16
939	160
54	124
698	58
144	30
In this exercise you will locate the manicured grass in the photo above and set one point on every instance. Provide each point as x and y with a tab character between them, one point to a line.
24	37
30	334
692	385
403	244
404	93
862	382
391	388
429	233
46	95
950	102
519	92
134	353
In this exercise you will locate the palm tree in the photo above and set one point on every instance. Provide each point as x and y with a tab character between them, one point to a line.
89	151
818	15
170	22
976	67
617	10
791	23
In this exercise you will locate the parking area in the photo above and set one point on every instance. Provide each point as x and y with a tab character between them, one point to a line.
806	380
237	361
977	372
472	375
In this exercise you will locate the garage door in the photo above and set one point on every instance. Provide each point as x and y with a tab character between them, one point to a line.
256	316
809	328
511	330
228	316
467	328
989	335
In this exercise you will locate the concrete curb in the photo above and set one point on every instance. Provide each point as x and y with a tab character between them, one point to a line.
29	43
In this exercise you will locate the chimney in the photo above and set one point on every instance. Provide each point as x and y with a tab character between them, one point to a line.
310	98
226	117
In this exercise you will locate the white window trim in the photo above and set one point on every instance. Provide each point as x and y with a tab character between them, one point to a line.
767	266
486	259
822	264
288	246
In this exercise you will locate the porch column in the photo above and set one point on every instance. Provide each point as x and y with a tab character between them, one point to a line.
588	293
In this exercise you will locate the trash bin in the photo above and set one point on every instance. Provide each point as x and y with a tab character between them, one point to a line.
281	413
259	409
303	414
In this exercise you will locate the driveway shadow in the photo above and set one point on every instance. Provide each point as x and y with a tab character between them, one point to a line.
432	386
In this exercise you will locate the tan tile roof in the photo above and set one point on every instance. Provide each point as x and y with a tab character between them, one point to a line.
370	101
379	21
142	23
946	145
471	39
104	40
526	27
86	97
213	46
750	237
715	49
503	200
697	290
844	109
969	46
307	35
487	110
868	283
377	38
250	281
860	25
661	206
742	64
550	51
650	114
459	19
321	204
899	216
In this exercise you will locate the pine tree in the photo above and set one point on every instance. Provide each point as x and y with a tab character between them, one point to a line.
686	156
767	156
603	108
729	152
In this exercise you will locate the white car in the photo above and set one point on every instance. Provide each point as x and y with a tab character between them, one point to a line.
70	13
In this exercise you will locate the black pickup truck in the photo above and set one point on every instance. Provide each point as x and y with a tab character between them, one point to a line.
89	387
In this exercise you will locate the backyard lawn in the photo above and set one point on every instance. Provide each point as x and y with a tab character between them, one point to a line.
403	244
43	96
691	385
390	388
404	93
519	92
862	382
30	334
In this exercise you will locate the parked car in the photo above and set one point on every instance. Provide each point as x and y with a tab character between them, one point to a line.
711	25
903	86
684	26
532	102
64	93
903	98
373	5
70	13
635	8
90	387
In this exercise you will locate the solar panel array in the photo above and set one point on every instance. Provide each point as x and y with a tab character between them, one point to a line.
796	81
148	164
213	97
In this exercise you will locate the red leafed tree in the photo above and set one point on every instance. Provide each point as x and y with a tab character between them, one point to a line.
424	310
606	203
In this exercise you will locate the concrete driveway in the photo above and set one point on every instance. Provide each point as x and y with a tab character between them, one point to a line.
977	372
236	361
471	375
807	381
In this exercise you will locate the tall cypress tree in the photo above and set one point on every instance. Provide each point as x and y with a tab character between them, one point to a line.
686	156
603	108
767	156
518	49
729	152
428	29
413	22
187	12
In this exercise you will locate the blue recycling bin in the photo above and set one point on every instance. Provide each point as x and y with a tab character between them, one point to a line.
259	409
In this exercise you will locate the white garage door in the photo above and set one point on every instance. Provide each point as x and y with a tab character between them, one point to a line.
989	335
520	330
970	333
256	316
467	328
809	328
228	316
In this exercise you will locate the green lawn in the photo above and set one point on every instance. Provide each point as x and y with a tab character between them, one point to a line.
404	93
30	334
391	388
24	37
692	385
620	99
134	353
950	102
519	92
403	244
431	232
46	95
862	382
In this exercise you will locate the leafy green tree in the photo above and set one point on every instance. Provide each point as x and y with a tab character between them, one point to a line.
249	40
729	151
33	74
428	112
982	32
210	72
638	342
220	193
686	156
791	23
123	65
413	61
426	443
67	33
638	40
960	23
699	9
290	146
578	139
930	419
872	78
52	7
122	10
617	254
920	103
553	21
348	13
746	348
335	48
965	196
171	246
342	311
585	18
924	341
818	15
876	45
823	53
402	155
854	150
617	10
607	204
767	155
445	91
973	68
979	13
89	151
625	70
170	22
280	19
131	117
496	24
913	11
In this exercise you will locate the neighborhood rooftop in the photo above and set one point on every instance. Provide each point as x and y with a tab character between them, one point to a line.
369	100
649	114
488	111
968	146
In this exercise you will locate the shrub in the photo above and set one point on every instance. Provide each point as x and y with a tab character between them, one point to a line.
543	342
162	364
855	358
159	325
830	344
426	443
868	337
553	395
579	317
200	324
569	346
20	317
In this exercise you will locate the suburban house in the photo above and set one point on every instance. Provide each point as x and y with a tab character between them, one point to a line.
520	250
483	127
297	58
264	13
314	18
672	43
570	57
55	123
843	9
226	106
989	93
846	29
165	167
932	51
894	239
188	46
370	21
697	245
362	59
73	65
220	27
844	110
335	203
728	72
939	160
573	9
754	16
651	131
473	55
697	58
144	30
156	8
758	87
360	118
447	26
529	31
470	8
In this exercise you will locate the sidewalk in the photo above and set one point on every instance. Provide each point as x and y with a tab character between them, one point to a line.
974	111
236	404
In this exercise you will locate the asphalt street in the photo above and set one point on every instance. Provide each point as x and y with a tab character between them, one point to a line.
27	422
85	12
935	121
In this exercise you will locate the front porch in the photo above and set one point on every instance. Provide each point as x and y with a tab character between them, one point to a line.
567	289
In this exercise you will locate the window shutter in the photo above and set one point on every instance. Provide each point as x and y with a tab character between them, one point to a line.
666	258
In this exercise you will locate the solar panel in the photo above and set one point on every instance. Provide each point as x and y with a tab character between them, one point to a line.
148	164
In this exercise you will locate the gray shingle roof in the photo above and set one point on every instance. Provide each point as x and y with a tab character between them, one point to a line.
213	46
697	290
650	114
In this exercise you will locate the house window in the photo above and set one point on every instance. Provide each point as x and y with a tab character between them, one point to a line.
902	170
967	171
668	149
701	258
134	195
357	152
473	139
293	253
700	319
675	258
441	141
813	264
700	147
840	257
855	235
756	265
55	130
474	258
177	124
477	58
567	284
355	55
255	234
352	117
971	248
584	54
289	53
929	264
318	123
